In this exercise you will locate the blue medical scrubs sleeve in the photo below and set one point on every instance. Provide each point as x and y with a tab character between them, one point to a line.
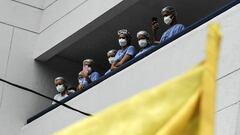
181	28
95	76
131	51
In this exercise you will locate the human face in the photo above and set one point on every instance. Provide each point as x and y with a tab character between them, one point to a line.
141	37
59	82
122	36
166	14
60	87
142	41
168	18
87	68
111	58
122	40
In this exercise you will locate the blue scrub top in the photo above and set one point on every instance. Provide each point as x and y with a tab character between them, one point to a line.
130	50
174	30
94	76
149	47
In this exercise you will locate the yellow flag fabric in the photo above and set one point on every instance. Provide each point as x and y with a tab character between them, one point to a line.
182	106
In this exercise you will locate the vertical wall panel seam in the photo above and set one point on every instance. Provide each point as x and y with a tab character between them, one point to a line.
6	67
9	53
1	98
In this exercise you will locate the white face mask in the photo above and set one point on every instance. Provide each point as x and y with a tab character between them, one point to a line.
122	42
60	88
111	60
168	20
142	43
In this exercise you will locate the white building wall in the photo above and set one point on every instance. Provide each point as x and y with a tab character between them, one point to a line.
58	10
166	63
19	25
48	3
228	114
39	4
19	15
18	66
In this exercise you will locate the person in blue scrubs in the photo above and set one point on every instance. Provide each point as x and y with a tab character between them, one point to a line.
126	51
87	75
170	19
144	42
111	58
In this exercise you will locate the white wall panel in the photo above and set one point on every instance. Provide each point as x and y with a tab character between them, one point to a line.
227	121
35	3
228	90
52	126
230	42
48	3
17	106
6	35
19	69
20	15
59	9
1	94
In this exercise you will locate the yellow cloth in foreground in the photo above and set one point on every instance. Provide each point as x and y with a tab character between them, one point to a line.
182	106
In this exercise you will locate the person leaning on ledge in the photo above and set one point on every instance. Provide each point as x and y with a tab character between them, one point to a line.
87	75
169	15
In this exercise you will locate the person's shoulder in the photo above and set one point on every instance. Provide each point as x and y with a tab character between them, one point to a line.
150	47
95	73
179	25
131	47
56	96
